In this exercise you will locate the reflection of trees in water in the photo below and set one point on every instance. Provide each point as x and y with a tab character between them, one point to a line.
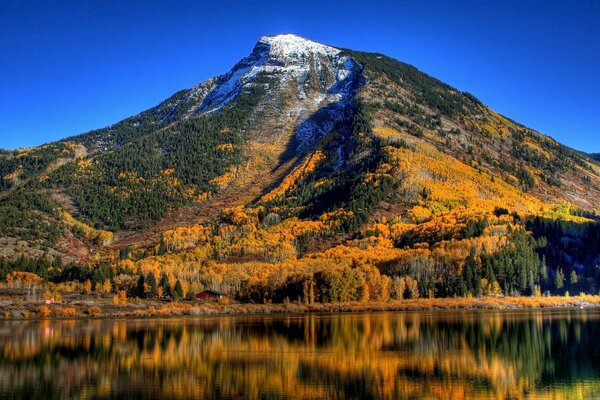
377	355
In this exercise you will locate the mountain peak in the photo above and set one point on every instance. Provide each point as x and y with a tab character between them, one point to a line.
286	58
293	46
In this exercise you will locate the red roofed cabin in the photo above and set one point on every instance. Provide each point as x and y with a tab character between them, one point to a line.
210	295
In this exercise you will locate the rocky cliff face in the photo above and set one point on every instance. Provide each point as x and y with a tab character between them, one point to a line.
319	82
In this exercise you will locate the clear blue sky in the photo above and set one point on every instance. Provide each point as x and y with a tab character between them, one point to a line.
67	67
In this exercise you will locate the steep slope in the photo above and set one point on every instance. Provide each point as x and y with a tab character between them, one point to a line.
305	157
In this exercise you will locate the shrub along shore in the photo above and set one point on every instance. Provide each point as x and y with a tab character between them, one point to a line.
94	307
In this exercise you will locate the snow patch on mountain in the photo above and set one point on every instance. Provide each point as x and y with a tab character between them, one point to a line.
312	66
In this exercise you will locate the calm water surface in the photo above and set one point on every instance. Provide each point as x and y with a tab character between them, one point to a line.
532	354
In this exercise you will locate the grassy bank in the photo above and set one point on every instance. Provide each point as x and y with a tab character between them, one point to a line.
97	306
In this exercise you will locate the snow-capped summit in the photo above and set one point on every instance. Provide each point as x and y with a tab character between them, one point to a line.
288	47
289	58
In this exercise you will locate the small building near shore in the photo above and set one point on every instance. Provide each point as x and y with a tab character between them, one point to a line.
210	295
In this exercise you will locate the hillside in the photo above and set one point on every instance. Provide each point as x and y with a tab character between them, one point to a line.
308	173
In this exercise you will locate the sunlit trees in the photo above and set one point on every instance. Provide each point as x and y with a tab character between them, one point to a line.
397	288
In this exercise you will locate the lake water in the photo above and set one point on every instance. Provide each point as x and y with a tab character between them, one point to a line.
532	354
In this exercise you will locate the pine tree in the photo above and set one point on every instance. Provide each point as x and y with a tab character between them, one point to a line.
559	279
140	290
152	286
178	290
573	280
543	271
471	273
165	285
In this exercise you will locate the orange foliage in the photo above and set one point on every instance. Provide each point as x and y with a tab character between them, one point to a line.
25	279
44	311
225	147
224	180
186	237
308	165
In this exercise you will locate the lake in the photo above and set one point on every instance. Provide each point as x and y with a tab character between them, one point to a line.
532	354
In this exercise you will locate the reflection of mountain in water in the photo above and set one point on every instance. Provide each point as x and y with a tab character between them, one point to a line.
551	354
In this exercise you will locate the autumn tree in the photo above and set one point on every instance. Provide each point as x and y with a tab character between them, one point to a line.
412	287
397	288
106	286
87	286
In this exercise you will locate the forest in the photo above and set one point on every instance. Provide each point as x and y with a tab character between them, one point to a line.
264	252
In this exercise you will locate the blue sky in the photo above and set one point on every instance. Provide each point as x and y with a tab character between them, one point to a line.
67	67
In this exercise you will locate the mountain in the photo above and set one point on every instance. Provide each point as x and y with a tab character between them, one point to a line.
306	159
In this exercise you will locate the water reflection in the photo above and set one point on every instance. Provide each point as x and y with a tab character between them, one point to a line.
436	355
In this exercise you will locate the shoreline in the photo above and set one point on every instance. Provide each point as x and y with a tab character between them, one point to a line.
96	308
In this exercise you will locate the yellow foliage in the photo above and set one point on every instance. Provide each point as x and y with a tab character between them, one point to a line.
225	147
120	298
224	180
385	131
308	165
490	289
449	183
83	165
379	230
562	212
496	126
66	312
14	174
104	238
419	214
94	311
236	215
185	237
25	279
130	176
201	197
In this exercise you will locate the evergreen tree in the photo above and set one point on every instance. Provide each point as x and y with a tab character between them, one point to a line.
140	290
472	275
152	286
164	284
573	278
178	290
559	279
573	282
543	273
